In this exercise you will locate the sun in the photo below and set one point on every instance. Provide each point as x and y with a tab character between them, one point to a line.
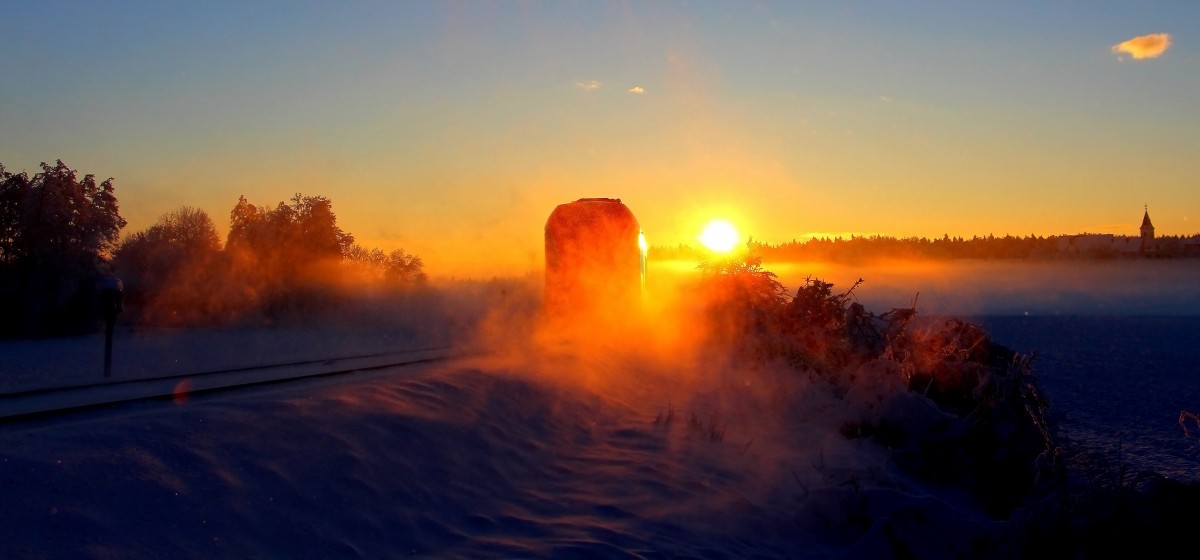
720	236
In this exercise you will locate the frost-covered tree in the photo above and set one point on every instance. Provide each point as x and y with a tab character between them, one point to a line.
397	268
56	234
403	268
298	233
244	222
169	270
317	228
288	255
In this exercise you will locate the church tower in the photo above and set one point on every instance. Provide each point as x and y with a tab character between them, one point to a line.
1147	233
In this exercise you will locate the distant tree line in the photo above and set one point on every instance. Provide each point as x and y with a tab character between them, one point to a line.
278	264
865	248
59	240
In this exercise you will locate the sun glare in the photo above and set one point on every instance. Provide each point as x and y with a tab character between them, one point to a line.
719	236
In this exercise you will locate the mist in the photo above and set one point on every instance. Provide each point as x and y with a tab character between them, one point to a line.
636	422
667	365
670	326
1024	287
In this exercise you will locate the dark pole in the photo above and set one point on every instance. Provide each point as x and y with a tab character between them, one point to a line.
108	333
110	301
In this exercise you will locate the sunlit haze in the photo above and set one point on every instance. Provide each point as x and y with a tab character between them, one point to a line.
719	236
452	129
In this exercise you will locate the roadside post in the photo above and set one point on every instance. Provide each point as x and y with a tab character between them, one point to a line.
110	289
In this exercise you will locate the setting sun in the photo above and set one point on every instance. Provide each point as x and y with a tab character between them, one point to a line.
719	236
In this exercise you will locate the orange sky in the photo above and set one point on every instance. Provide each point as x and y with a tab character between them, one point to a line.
452	130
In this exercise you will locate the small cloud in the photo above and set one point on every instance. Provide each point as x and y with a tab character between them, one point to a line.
1146	46
885	99
637	89
590	85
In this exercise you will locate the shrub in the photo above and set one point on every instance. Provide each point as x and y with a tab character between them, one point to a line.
988	431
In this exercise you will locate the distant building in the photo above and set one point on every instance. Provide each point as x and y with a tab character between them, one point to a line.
1111	245
1191	246
1147	245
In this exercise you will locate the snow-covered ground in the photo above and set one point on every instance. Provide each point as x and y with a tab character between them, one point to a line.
1116	343
553	445
1117	384
555	449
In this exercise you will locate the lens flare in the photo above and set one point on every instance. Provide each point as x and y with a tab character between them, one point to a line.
720	236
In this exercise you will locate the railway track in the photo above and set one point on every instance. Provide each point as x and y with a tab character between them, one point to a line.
59	400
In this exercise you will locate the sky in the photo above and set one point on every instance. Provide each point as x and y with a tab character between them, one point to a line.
452	129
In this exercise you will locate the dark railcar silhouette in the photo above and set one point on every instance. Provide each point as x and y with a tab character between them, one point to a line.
595	259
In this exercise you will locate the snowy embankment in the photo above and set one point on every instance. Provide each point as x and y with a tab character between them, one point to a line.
552	445
533	452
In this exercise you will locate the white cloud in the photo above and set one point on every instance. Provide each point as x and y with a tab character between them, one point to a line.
637	89
590	85
1146	46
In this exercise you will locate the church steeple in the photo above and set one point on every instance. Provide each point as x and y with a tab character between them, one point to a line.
1147	232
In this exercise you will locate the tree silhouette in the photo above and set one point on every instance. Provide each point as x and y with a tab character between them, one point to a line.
171	271
56	234
286	255
316	227
403	268
304	231
394	269
58	239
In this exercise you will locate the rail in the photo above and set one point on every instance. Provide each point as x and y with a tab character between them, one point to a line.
63	399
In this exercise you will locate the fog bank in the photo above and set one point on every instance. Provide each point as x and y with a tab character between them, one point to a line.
972	288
